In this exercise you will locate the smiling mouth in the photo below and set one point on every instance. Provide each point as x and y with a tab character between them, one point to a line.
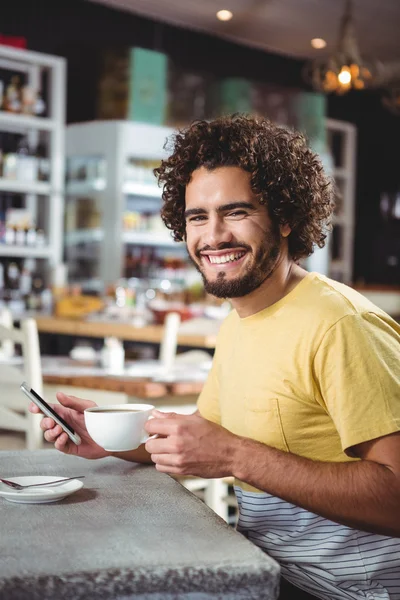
230	257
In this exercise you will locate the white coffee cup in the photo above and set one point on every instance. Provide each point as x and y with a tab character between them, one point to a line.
118	427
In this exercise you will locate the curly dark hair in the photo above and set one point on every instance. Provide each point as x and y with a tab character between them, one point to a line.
285	173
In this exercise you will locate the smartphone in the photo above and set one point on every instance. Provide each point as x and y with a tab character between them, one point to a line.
49	412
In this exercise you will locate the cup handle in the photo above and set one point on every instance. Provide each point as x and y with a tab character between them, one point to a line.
149	437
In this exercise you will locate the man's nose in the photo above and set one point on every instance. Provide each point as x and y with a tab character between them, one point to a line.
217	232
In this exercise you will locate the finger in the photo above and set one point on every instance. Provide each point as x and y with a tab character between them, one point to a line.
161	426
33	408
51	435
73	402
47	423
163	415
63	443
160	446
167	460
168	469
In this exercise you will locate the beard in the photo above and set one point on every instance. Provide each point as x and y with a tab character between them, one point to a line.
256	271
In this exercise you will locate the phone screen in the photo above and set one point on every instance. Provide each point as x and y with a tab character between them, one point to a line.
65	424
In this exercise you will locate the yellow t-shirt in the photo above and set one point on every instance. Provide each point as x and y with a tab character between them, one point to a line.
313	374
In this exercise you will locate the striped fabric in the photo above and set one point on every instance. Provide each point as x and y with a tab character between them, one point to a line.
328	560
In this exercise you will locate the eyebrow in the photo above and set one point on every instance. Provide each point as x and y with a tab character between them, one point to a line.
223	208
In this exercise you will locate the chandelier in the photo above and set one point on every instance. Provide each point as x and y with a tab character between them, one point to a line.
345	69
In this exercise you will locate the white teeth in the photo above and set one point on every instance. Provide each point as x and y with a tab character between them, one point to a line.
226	258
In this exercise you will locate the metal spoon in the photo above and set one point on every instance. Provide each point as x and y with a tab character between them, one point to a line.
18	486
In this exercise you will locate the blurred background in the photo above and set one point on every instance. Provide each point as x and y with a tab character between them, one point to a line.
91	90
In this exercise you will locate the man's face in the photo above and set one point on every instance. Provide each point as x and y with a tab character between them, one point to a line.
230	237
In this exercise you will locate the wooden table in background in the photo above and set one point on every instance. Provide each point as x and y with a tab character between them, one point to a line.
143	388
100	329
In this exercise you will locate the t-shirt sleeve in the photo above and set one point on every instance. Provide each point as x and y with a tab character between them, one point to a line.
208	401
357	367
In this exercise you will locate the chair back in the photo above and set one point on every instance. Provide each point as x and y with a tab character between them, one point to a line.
169	340
14	369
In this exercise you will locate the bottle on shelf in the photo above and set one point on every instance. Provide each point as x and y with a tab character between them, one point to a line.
43	166
145	262
20	236
12	101
46	301
13	275
25	283
27	162
39	107
28	100
132	262
9	157
40	238
9	235
31	235
35	298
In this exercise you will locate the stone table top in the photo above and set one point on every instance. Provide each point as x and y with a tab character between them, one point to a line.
130	532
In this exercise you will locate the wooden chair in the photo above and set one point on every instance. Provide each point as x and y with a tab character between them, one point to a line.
213	492
14	414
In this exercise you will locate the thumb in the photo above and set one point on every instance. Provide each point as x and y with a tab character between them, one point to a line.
73	402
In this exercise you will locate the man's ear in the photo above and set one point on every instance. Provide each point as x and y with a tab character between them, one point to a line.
285	230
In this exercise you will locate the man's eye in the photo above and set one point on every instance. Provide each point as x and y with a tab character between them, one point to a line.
237	213
197	218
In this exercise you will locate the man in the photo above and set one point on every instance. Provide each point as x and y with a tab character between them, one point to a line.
302	404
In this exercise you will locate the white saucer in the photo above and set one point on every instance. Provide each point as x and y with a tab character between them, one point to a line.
39	495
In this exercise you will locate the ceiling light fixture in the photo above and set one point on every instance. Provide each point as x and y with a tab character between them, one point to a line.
344	69
224	15
318	43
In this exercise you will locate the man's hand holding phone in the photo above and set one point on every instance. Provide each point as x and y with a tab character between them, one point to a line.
70	410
